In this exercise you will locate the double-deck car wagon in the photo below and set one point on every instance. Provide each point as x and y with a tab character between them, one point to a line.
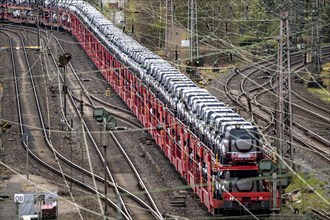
215	150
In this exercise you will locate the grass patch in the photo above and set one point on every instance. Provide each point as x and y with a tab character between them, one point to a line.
309	199
325	75
321	94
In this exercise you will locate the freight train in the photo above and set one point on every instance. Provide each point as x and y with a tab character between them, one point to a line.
219	154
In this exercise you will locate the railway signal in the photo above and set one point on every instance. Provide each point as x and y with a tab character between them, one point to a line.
198	62
189	68
100	114
62	62
109	123
63	59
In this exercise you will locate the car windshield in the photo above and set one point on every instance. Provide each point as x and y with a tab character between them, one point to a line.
243	134
226	174
243	173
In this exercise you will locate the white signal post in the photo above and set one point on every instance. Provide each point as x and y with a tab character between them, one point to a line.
27	156
105	144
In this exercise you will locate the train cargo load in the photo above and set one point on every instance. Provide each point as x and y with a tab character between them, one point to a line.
215	150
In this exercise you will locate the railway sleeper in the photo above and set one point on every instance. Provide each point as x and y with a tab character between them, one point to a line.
178	204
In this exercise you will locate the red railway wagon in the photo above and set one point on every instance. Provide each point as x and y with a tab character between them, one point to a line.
56	17
20	13
2	9
192	159
184	150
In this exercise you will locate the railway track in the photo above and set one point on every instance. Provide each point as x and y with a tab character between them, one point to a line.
317	143
146	208
20	108
135	182
320	214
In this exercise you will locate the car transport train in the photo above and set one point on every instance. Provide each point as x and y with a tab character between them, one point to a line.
221	155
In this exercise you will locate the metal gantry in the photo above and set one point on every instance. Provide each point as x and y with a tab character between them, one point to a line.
169	19
192	29
284	107
316	42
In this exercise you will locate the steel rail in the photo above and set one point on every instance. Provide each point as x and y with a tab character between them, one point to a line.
324	154
31	154
100	179
155	211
